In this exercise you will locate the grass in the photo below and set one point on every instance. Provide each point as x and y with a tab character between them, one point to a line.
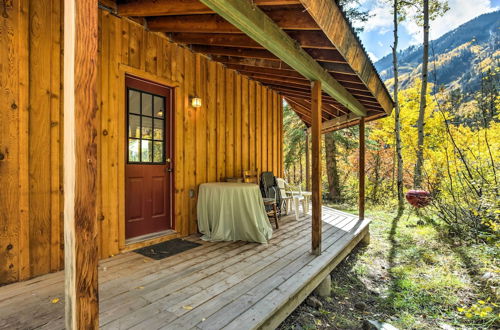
412	276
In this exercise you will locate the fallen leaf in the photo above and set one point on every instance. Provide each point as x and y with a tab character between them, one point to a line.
187	307
55	300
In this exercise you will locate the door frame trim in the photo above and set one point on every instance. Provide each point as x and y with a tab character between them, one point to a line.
122	157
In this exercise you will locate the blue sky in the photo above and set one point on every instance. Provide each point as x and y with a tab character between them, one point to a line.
377	37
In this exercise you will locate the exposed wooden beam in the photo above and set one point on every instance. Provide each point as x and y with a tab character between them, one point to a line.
329	17
300	109
240	52
111	4
215	39
278	79
305	118
289	19
329	125
260	27
260	63
306	110
300	92
311	39
337	67
180	7
191	23
268	71
325	55
361	169
329	66
306	39
331	109
80	164
316	167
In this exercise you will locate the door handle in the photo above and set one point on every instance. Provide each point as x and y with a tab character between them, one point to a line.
170	170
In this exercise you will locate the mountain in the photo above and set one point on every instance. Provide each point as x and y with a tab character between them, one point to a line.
459	56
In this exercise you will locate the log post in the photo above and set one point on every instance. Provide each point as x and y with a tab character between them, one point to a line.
316	166
308	163
361	168
80	164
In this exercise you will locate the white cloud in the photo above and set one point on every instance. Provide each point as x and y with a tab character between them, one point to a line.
373	57
460	12
380	44
380	17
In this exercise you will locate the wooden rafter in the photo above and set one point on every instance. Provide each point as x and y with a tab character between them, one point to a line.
288	19
267	32
306	39
329	66
184	7
260	63
230	51
268	71
299	103
324	12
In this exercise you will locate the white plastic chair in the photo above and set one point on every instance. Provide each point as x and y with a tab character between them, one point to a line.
298	199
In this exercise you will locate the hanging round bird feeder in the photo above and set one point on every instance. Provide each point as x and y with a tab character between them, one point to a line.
418	198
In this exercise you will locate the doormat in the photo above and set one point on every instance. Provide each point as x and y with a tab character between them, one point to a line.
166	249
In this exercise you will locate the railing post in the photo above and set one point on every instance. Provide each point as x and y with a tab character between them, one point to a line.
80	164
361	168
316	166
308	163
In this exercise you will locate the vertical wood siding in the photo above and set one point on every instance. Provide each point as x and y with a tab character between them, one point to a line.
238	127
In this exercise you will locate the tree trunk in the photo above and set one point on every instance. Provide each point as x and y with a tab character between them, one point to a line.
417	180
397	121
294	174
376	174
301	169
332	167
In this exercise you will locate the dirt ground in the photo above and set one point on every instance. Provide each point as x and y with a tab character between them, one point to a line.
408	277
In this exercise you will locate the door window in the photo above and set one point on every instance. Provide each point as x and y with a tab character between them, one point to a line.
146	127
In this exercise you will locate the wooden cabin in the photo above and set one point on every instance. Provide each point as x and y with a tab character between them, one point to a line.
177	92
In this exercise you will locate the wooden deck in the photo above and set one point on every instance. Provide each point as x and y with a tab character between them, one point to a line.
230	285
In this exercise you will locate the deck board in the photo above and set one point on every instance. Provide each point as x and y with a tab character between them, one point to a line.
231	285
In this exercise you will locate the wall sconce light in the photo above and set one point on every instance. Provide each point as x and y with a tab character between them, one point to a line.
195	102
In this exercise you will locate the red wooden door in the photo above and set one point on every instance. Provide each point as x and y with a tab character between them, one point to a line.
148	172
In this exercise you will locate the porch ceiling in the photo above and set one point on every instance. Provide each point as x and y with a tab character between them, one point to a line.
317	27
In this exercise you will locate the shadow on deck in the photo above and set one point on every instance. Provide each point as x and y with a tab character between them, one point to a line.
230	285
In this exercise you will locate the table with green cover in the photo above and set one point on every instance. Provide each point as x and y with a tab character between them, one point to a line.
232	212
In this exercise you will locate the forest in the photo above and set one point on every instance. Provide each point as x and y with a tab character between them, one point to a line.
438	264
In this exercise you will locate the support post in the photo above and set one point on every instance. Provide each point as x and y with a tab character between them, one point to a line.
316	166
361	168
80	164
308	163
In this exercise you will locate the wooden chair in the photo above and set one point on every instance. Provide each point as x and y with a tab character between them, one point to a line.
253	177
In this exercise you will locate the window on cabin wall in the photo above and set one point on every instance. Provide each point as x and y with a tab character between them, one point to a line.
146	127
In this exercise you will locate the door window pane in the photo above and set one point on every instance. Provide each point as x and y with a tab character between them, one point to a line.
146	151
159	127
159	104
146	113
158	152
134	126
147	104
147	128
133	150
134	101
